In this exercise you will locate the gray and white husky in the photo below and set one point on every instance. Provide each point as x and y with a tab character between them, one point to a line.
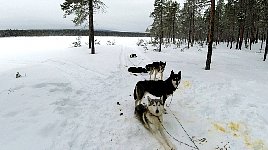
155	68
158	88
151	117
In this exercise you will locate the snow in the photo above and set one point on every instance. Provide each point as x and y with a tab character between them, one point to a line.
67	98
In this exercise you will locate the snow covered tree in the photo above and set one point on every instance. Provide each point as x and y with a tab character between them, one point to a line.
83	11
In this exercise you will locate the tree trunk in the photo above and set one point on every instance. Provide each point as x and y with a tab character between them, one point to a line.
266	47
193	28
252	37
211	34
190	31
262	39
242	30
237	41
232	37
161	27
241	35
257	36
246	39
89	30
173	28
91	27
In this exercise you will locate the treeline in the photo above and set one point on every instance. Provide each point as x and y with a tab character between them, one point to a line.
67	32
236	21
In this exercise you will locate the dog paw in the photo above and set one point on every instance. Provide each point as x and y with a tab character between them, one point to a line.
173	148
167	147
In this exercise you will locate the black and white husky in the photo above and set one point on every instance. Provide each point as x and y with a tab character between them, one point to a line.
155	68
158	88
151	117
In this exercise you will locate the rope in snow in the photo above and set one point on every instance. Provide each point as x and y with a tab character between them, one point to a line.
177	139
184	129
181	127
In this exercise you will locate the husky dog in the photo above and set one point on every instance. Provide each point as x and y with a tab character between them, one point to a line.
137	70
18	75
157	88
155	68
151	117
150	69
132	55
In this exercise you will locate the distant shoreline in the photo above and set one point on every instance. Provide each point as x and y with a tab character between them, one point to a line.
67	32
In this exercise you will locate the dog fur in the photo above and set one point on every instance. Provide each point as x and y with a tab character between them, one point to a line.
132	55
157	88
151	117
137	70
155	68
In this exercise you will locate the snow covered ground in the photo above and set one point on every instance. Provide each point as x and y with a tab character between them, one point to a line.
70	99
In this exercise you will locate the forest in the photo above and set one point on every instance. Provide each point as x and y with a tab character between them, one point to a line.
235	21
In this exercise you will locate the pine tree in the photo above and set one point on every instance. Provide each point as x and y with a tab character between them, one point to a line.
159	25
219	24
170	19
230	22
83	11
189	5
241	20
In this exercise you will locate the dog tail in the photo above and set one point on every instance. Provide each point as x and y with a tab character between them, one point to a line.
139	111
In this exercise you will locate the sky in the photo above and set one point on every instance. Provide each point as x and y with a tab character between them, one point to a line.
119	15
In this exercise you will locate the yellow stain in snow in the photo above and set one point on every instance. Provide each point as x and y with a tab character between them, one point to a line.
254	144
234	126
186	84
259	145
247	140
239	131
219	127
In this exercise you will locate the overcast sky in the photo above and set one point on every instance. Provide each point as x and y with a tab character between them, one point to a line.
120	15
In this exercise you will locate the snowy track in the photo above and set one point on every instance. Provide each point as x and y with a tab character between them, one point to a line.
70	99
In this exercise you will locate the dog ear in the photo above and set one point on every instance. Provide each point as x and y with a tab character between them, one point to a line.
149	99
172	72
162	99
